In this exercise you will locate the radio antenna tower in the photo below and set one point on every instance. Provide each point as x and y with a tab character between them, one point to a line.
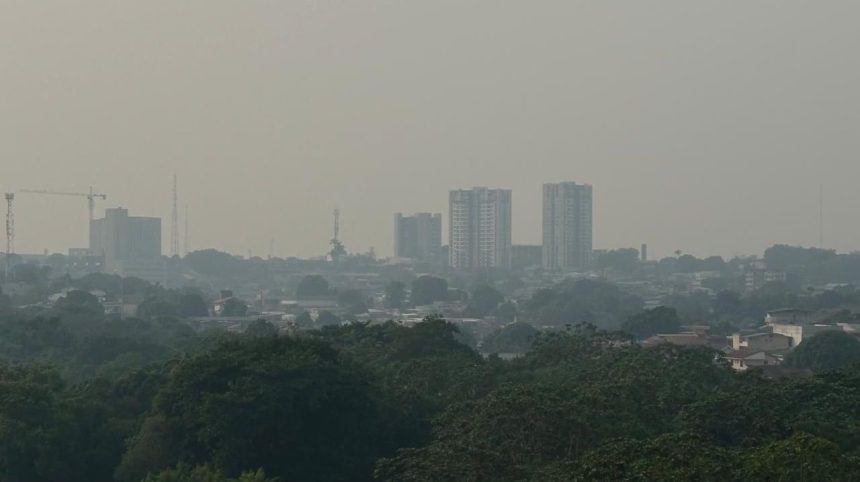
337	249
174	227
336	224
10	233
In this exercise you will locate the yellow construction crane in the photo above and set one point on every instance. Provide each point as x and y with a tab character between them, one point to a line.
91	197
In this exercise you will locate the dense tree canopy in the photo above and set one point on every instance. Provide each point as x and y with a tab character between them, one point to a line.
395	295
484	301
288	406
622	260
830	350
428	289
584	301
159	399
660	320
313	286
512	338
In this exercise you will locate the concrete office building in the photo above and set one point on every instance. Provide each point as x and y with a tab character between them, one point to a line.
480	228
567	226
418	237
130	246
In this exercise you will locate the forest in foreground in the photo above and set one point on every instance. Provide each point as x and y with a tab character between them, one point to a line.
393	403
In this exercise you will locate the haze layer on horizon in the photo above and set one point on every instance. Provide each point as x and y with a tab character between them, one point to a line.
704	126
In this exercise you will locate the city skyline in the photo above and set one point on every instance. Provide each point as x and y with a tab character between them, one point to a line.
105	206
304	107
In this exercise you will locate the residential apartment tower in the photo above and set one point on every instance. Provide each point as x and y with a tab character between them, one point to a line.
480	228
567	226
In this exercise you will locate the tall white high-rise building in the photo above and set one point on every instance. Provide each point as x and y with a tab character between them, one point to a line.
480	228
567	226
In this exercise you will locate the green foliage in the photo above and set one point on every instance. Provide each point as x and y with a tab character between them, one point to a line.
361	401
353	301
484	301
800	457
513	338
304	320
585	301
33	424
216	264
395	295
577	392
621	260
421	371
235	307
192	304
157	307
83	346
312	286
79	302
428	289
327	318
507	312
205	473
261	329
660	320
670	457
830	350
694	308
288	406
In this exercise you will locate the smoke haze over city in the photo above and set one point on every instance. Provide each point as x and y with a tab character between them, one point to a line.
703	126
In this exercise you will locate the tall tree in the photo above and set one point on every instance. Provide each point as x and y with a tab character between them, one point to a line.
395	295
289	406
428	289
830	350
313	286
652	322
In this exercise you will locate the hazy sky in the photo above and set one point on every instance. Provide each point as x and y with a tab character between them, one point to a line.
706	126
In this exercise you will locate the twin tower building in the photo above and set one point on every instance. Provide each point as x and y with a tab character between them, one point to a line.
479	229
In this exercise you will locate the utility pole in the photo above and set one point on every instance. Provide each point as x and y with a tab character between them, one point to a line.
10	233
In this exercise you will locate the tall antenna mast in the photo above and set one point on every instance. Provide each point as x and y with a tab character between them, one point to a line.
186	247
821	216
10	232
174	227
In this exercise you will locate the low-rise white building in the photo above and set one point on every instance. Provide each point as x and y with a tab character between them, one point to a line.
742	360
798	333
792	316
762	341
